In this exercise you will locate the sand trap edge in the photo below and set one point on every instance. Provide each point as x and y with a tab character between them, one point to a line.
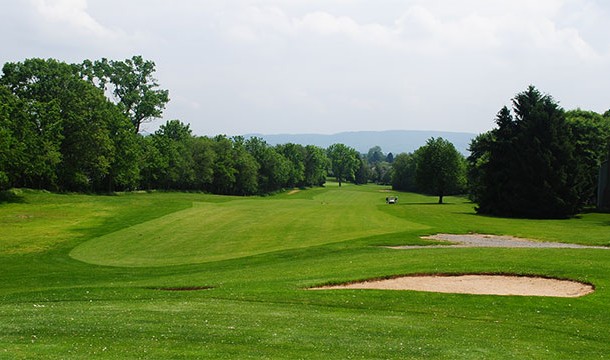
474	284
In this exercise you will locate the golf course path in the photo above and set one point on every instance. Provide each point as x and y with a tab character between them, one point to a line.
481	240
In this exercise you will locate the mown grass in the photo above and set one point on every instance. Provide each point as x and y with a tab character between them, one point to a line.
82	277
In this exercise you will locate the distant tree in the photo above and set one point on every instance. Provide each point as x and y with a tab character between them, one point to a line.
344	162
477	162
375	155
316	164
590	134
531	169
440	168
246	169
131	82
10	151
152	162
403	172
203	156
363	173
124	170
173	141
224	170
274	168
382	173
295	154
390	158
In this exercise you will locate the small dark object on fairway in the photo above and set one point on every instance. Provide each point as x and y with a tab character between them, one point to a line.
391	199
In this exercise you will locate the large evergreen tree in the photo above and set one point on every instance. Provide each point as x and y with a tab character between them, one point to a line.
527	167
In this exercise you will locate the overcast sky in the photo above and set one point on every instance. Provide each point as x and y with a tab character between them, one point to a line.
325	66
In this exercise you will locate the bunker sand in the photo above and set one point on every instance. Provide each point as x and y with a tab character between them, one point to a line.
476	284
482	284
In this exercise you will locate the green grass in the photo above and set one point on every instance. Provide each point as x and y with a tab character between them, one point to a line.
81	277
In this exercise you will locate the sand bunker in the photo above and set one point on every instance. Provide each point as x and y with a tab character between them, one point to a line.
481	284
477	284
480	240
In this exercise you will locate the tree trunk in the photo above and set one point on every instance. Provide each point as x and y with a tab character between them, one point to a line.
440	199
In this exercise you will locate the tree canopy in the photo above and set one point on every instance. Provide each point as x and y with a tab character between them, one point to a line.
403	174
68	135
440	168
344	160
60	131
131	82
526	166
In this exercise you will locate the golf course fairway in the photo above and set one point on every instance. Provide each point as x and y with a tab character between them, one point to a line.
196	276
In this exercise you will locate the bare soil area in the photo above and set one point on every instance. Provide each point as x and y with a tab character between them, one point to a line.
477	284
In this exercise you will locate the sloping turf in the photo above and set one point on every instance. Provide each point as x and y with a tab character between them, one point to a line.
239	228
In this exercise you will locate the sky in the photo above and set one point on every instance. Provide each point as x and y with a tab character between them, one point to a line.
325	66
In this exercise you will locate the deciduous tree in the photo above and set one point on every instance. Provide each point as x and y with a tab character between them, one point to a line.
316	164
440	168
403	172
132	84
344	161
590	134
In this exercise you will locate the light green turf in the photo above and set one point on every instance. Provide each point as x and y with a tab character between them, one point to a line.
256	256
211	232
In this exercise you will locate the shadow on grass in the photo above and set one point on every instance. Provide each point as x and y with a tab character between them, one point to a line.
426	203
11	197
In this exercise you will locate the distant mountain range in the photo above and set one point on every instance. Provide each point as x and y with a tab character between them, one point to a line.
390	141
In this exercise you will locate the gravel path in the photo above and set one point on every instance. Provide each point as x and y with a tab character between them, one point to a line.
480	240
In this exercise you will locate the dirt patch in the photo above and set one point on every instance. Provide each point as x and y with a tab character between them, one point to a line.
476	284
291	192
481	240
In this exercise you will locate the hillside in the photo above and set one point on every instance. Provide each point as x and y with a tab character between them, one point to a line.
394	141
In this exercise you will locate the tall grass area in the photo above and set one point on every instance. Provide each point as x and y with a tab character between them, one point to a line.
97	277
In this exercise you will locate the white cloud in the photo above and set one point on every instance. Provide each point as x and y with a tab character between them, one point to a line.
425	29
73	13
332	65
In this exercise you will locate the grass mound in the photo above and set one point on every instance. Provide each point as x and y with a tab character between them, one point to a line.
240	228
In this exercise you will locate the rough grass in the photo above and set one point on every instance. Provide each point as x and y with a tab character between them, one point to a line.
60	299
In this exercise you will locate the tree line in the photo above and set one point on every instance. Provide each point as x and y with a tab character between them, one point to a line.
76	127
